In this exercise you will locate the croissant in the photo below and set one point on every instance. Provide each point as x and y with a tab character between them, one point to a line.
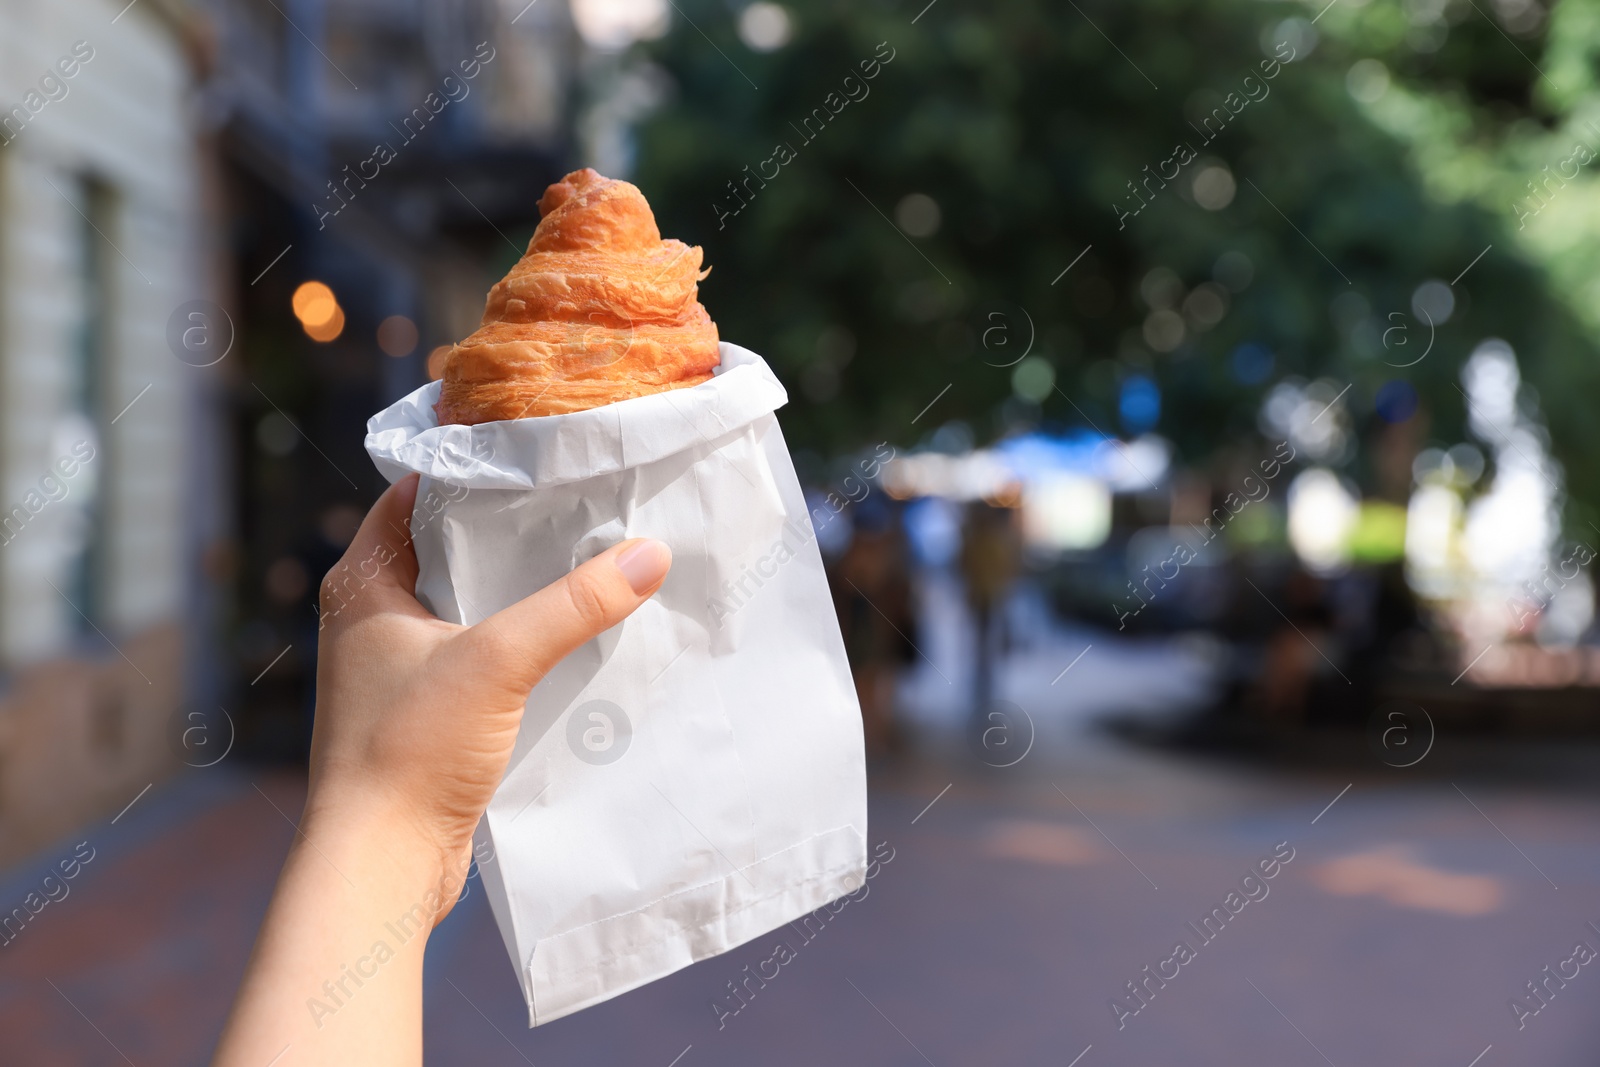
599	309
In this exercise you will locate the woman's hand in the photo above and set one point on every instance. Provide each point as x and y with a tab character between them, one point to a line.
416	717
414	726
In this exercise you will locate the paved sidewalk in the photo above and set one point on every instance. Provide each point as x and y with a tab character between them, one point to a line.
1007	920
139	960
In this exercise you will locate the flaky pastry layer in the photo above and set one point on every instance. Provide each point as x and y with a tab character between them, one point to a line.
599	309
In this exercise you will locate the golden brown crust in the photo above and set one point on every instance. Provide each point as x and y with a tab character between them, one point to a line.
599	309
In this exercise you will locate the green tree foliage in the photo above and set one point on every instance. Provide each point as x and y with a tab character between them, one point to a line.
1025	121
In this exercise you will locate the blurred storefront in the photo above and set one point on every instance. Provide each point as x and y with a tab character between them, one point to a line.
382	163
102	236
182	414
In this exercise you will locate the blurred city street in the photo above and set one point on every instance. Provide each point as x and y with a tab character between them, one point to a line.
1155	440
1018	902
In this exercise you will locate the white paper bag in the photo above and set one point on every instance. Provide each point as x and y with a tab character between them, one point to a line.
695	776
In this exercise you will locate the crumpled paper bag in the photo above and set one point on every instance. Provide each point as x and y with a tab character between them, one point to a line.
694	777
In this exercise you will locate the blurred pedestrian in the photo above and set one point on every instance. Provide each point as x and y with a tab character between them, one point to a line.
1379	623
1294	653
991	556
873	598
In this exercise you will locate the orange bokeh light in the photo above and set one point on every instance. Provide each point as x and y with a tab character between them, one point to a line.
436	360
314	303
320	312
326	331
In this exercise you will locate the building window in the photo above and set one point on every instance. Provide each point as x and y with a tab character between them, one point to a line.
86	541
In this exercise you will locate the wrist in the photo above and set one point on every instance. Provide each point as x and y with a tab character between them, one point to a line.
399	862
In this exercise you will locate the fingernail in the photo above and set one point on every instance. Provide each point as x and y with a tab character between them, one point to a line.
644	564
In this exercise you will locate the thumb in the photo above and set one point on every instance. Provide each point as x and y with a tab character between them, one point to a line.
518	646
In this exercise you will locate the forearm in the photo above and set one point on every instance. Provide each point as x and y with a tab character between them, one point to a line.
336	975
416	719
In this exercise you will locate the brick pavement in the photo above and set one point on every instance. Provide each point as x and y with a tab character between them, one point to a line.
1008	919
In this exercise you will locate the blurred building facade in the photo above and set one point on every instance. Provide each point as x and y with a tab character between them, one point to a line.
103	212
180	460
394	151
